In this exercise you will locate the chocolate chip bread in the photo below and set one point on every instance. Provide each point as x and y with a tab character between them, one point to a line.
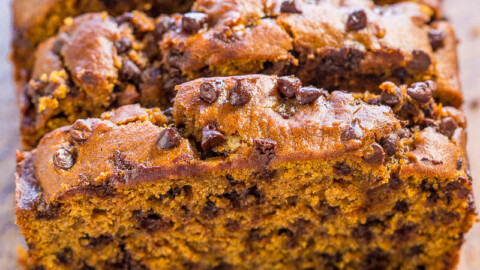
252	172
35	21
135	58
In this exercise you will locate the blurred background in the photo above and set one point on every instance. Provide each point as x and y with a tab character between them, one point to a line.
462	13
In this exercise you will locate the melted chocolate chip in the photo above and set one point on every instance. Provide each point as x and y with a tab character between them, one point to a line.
288	86
459	164
211	138
192	22
210	210
448	126
436	38
390	144
152	222
63	159
265	150
130	71
354	131
239	95
422	92
123	45
420	61
65	256
391	94
376	155
343	168
357	20
288	6
168	138
121	163
401	206
80	131
209	91
308	95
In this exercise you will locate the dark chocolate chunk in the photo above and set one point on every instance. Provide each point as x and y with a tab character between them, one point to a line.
192	22
130	71
436	38
362	231
289	6
343	168
448	126
123	45
357	20
211	138
239	95
391	94
125	17
376	155
63	159
308	95
459	164
209	91
390	144
265	150
354	131
210	210
163	25
169	138
422	92
288	86
81	130
65	256
427	160
420	61
168	111
152	222
401	206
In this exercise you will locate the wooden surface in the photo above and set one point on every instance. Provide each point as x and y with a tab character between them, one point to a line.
462	13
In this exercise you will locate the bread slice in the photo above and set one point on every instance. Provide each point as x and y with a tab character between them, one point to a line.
245	175
97	62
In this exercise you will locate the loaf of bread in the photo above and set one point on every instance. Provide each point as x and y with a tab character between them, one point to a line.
97	62
252	172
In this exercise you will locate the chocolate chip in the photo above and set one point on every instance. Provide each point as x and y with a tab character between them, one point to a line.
123	45
422	92
404	133
354	131
239	95
264	150
288	6
308	95
65	256
427	160
459	164
401	206
168	111
448	126
130	71
210	210
391	94
169	138
80	131
390	144
192	22
163	25
376	155
63	159
152	222
420	61
343	168
357	20
288	86
211	138
209	91
121	163
436	38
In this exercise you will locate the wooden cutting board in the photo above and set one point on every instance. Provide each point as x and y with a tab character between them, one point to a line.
462	13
